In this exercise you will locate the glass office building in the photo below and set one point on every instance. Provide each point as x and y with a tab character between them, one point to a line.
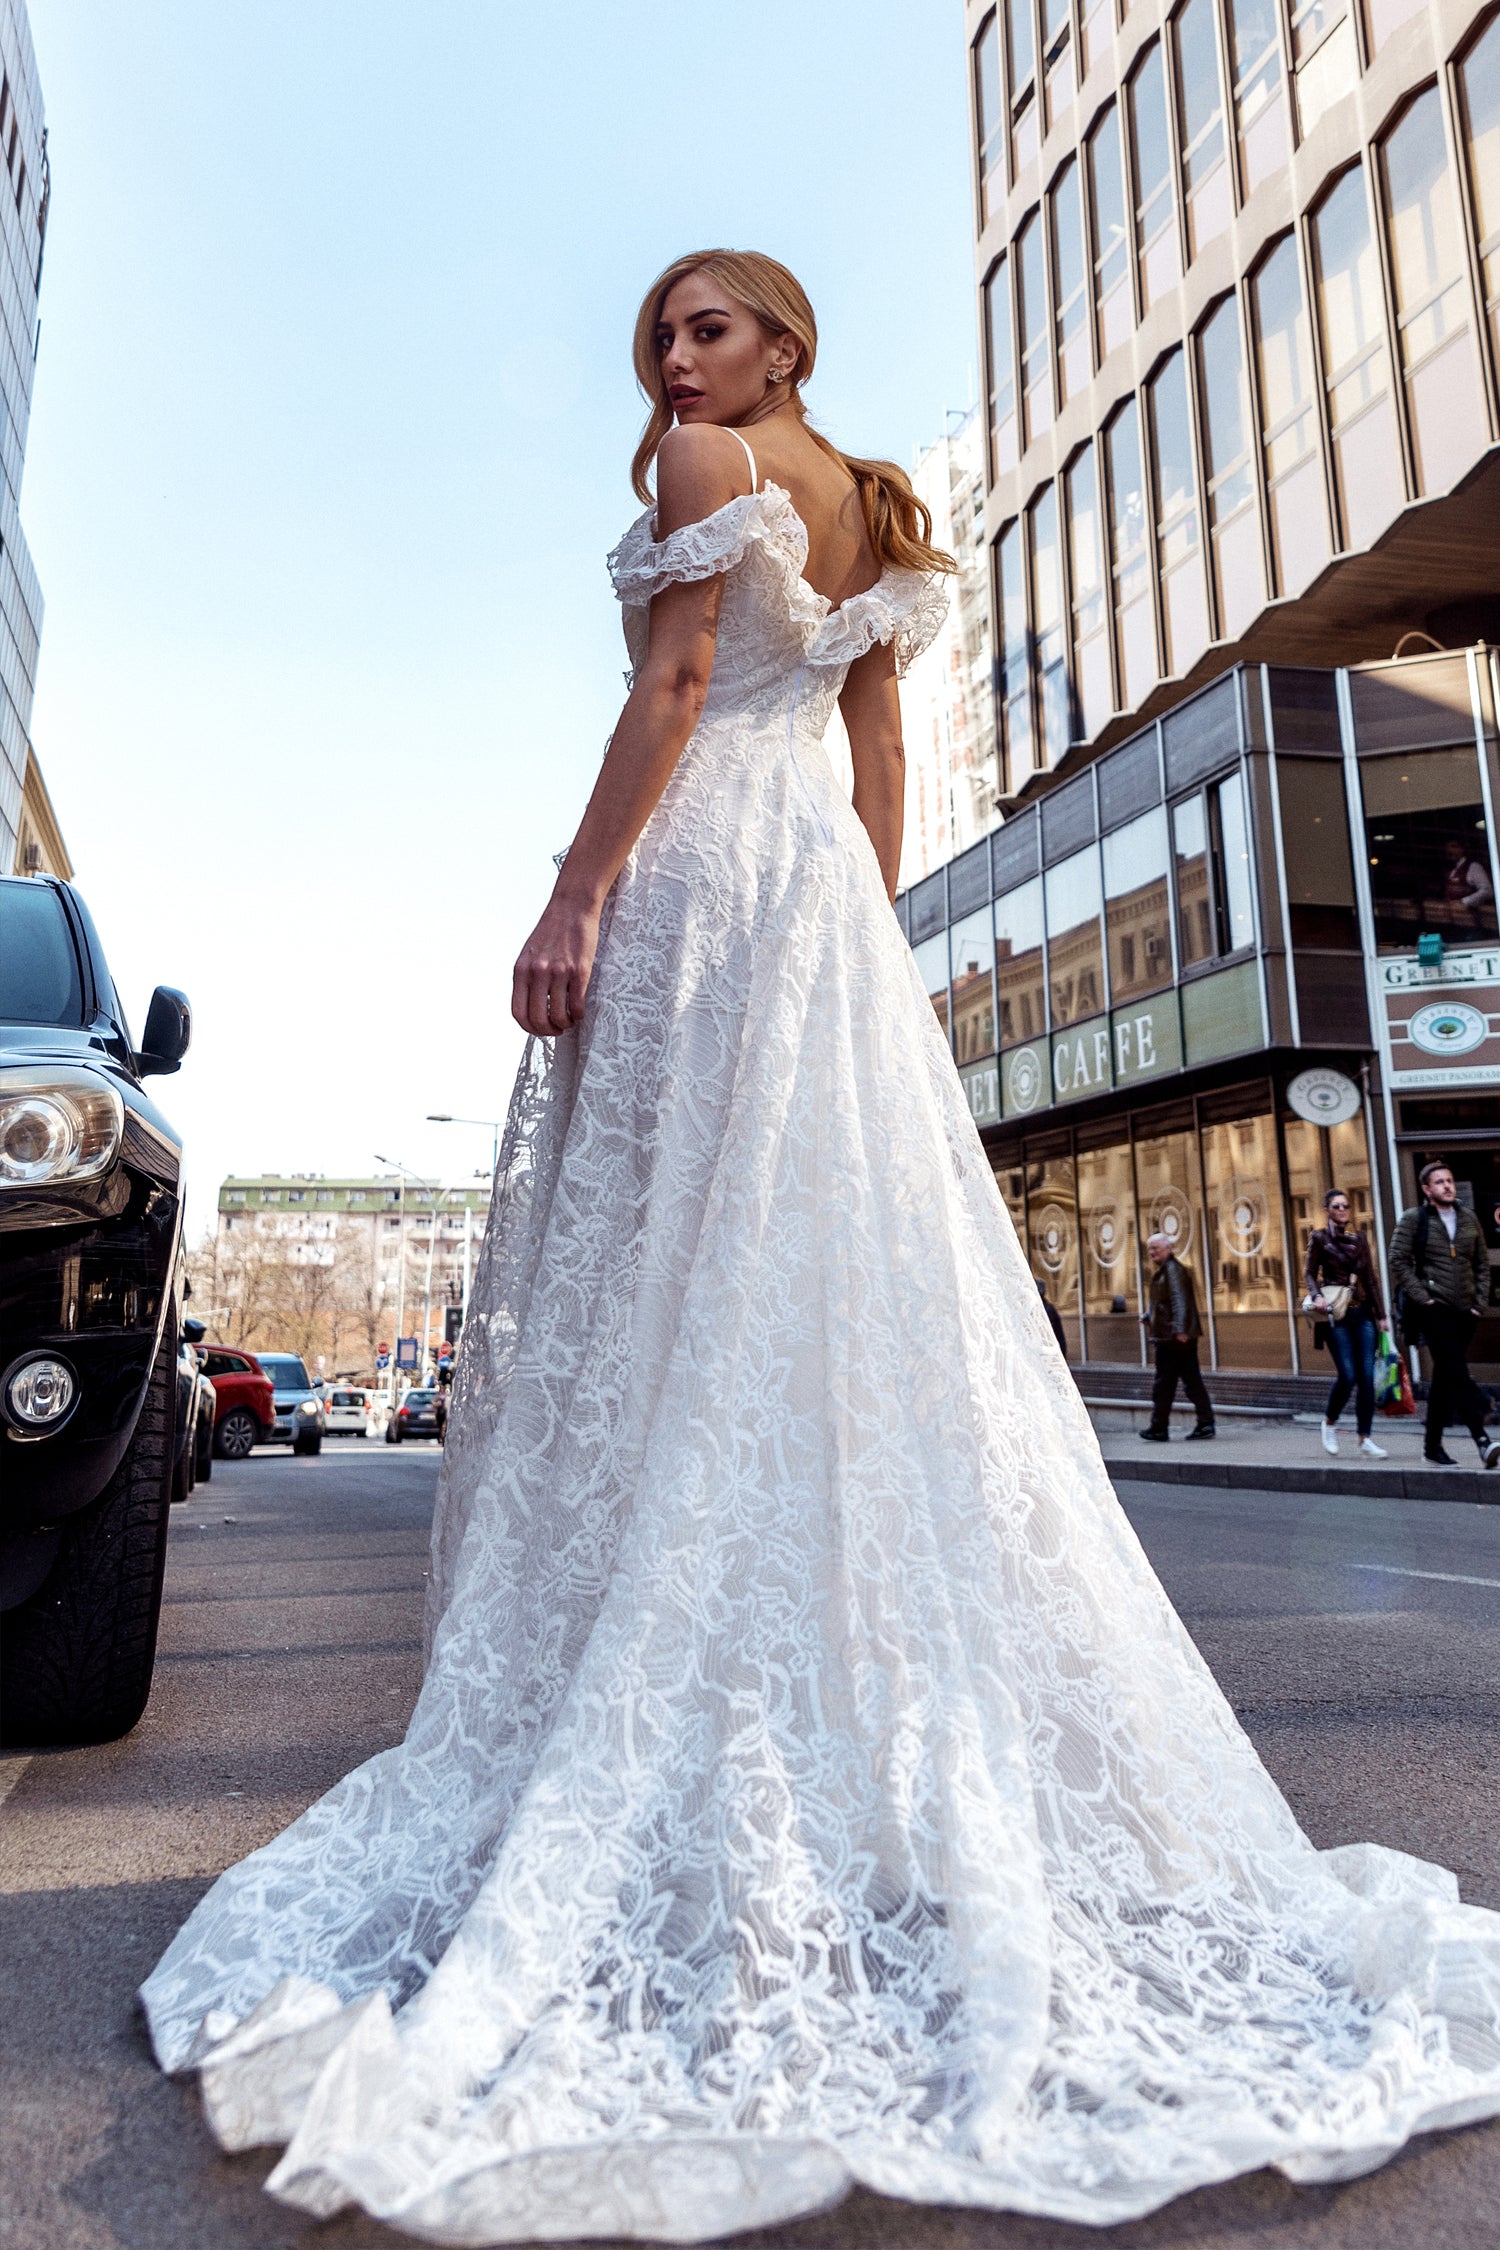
1248	953
23	228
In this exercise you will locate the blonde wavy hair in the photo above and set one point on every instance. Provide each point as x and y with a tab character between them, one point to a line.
900	527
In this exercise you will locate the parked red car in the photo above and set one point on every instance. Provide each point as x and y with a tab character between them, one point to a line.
246	1410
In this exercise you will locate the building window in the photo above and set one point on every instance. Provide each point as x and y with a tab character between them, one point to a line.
1324	58
974	987
1443	395
1138	907
1130	557
1047	625
1366	457
1479	88
235	1195
1071	276
356	1195
325	1195
1151	163
296	1195
1428	848
1015	670
1075	952
1179	552
1289	422
1200	120
1234	528
270	1195
1058	53
1259	90
1248	1272
1025	139
1095	29
1211	866
1052	1216
1106	1227
1111	249
931	957
1020	973
1382	17
1315	846
1000	349
989	120
1036	367
1091	681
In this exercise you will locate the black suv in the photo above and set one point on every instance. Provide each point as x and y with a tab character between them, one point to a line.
90	1315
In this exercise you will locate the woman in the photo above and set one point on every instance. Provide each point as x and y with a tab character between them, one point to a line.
1338	1257
811	1782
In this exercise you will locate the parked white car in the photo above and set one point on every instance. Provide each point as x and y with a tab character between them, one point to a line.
348	1412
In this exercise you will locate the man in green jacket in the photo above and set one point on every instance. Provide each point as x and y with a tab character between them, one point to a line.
1439	1260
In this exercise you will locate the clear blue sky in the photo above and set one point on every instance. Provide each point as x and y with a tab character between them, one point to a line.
331	434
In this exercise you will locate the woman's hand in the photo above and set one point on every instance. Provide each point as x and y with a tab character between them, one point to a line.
553	970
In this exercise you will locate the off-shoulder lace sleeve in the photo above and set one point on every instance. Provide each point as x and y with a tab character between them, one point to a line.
905	608
642	565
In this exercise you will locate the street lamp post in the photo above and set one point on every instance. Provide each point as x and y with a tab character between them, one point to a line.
441	1117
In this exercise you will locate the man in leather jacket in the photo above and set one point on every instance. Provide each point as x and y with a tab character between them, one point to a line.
1440	1264
1173	1325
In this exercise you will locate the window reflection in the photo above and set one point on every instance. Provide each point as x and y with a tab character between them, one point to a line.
989	118
973	956
1106	1235
1432	312
1428	847
1479	89
1056	47
1036	369
1259	90
1195	908
1211	852
1075	956
1233	887
1289	436
1178	549
1155	226
931	957
1315	846
1137	907
1095	29
1073	368
1047	622
1020	982
1130	557
1242	1181
1111	249
1023	105
1052	1221
1200	121
1383	16
1234	528
1090	621
1323	56
1015	643
1366	457
1000	350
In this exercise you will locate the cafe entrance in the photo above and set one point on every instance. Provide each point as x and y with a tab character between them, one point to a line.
1462	1131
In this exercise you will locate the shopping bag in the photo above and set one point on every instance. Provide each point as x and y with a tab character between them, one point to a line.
1405	1403
1387	1374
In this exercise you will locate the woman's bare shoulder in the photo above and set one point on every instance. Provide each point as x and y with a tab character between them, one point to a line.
700	467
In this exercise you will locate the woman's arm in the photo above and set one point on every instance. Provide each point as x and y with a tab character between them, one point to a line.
872	714
698	471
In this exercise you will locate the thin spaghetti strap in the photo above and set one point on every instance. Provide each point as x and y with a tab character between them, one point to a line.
749	456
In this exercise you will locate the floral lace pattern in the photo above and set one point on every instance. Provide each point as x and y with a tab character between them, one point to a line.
811	1782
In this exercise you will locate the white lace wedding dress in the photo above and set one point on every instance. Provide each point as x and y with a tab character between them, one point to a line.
811	1782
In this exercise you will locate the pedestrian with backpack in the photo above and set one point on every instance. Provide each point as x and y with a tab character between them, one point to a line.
1440	1282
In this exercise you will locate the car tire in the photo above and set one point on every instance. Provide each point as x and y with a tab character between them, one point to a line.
236	1434
313	1444
76	1658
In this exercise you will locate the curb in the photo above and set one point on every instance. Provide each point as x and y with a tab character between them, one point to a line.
1473	1485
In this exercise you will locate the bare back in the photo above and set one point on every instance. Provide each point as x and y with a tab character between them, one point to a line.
840	559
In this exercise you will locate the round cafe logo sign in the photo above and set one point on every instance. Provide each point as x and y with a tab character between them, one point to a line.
1023	1079
1448	1027
1323	1097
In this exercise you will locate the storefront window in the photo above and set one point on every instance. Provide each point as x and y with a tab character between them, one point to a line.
1130	557
1000	349
1443	393
1479	86
1010	1178
1315	845
1366	456
1428	848
1259	90
1155	222
974	987
1052	1219
1073	369
1091	681
1137	907
1233	526
1200	122
1020	978
1047	610
1036	358
989	116
1023	104
1075	956
1169	1198
1243	1191
1015	668
1289	434
1111	249
1178	547
931	957
1319	1158
1106	1235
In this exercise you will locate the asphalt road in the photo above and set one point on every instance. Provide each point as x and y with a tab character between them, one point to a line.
1358	1639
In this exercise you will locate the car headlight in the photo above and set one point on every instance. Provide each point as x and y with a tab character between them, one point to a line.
308	1406
57	1126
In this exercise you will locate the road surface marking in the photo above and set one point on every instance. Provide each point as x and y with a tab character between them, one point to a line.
1447	1577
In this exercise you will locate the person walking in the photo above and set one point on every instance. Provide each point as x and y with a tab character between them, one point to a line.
1440	1271
1338	1260
1173	1325
1054	1318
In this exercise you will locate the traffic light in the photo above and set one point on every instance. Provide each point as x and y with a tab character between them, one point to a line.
453	1321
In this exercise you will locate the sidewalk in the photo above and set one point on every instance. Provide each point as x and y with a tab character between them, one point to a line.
1271	1455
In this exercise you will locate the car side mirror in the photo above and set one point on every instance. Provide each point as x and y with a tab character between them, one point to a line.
169	1027
195	1330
